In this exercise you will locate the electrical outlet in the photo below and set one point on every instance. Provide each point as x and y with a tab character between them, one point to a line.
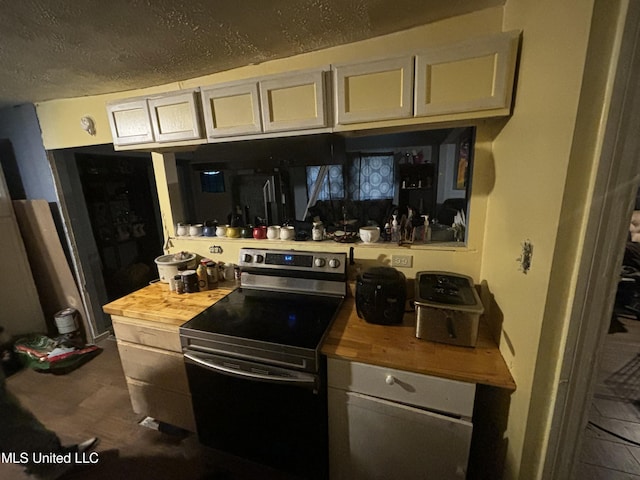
402	261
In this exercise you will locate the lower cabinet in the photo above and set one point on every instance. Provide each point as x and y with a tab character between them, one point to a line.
155	372
386	423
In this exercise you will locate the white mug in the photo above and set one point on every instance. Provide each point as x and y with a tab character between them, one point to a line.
287	233
273	232
221	231
369	234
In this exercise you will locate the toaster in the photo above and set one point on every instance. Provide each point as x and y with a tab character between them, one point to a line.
381	293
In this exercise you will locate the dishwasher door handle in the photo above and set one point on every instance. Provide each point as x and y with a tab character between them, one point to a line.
299	379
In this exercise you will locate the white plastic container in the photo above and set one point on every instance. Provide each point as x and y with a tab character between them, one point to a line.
170	265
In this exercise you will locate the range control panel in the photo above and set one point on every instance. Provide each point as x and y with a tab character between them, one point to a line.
293	260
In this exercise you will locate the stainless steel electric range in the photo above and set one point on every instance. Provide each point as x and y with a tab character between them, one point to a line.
257	379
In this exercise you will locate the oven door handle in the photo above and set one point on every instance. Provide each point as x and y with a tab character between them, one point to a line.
300	379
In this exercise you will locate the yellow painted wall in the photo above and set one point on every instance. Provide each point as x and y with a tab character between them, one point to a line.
519	183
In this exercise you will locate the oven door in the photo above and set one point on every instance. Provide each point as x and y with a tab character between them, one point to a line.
266	414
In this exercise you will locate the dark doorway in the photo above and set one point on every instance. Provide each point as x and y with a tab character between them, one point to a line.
120	196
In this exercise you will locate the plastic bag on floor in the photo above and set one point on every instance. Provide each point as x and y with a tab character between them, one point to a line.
60	355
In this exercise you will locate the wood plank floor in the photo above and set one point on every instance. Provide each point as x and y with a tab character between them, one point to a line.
611	446
93	401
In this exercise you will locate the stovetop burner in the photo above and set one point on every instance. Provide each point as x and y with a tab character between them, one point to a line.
279	315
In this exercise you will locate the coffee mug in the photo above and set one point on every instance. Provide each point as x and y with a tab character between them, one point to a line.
260	233
182	229
273	232
233	232
221	231
287	233
369	234
195	230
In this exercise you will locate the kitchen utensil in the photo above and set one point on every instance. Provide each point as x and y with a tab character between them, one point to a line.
369	234
170	265
260	233
448	308
221	231
273	232
182	229
287	233
196	230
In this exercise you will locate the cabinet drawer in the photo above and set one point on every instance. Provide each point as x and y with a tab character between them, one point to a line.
130	330
440	394
158	367
163	405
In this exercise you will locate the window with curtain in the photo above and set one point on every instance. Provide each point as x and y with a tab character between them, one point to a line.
371	177
332	185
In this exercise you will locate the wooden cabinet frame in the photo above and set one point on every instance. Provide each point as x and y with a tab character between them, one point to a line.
494	55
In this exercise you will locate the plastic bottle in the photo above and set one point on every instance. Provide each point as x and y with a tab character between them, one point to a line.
203	282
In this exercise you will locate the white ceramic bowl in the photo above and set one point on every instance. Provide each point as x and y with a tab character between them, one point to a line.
369	234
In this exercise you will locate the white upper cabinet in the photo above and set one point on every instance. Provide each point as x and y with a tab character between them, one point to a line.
278	103
371	91
231	109
175	116
294	101
130	122
474	75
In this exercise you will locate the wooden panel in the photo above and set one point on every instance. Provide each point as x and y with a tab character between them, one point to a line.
231	109
470	76
21	311
163	405
162	336
351	338
175	117
293	102
156	304
409	388
160	368
56	285
130	122
372	91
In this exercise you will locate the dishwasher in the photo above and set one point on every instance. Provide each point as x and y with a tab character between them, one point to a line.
387	423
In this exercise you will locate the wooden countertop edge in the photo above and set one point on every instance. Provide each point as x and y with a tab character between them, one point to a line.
349	337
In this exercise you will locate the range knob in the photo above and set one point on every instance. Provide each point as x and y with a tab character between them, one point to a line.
259	258
246	258
319	262
334	263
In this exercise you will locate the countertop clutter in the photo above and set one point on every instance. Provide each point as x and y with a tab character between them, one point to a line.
349	338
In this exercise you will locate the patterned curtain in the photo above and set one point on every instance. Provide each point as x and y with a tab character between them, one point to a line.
332	186
371	177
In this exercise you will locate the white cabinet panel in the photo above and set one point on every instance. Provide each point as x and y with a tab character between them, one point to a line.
294	101
130	122
372	91
371	438
175	117
471	76
231	109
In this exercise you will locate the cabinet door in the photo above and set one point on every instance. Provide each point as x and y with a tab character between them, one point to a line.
232	109
466	77
294	102
130	122
175	117
378	90
371	439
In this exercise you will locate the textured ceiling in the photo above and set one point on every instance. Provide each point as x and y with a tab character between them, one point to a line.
61	49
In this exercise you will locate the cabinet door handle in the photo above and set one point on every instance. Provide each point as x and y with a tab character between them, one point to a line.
390	380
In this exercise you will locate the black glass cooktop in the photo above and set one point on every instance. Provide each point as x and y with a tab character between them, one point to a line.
290	319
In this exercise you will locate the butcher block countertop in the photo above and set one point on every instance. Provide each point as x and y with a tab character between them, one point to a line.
396	346
157	304
349	338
